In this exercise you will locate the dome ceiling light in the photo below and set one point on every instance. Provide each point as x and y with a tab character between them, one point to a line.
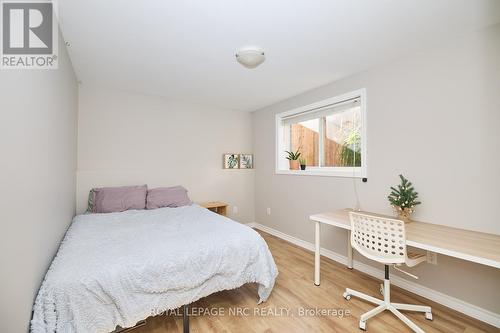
250	56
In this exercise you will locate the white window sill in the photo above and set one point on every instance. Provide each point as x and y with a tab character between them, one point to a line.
325	172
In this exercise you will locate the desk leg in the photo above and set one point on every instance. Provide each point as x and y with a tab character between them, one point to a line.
317	254
349	250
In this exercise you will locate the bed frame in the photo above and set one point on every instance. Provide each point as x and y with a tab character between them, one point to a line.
185	319
185	322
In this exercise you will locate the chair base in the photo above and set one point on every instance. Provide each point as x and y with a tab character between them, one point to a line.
386	304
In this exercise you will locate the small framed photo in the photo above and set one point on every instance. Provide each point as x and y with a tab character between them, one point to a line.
231	161
246	161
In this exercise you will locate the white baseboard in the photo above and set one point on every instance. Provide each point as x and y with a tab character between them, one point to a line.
433	295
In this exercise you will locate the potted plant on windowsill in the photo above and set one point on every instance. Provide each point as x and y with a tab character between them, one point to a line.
293	159
302	163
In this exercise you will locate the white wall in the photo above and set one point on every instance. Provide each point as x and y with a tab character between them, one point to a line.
434	117
38	114
127	138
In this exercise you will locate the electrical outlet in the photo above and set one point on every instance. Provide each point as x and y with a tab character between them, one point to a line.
268	210
432	258
235	209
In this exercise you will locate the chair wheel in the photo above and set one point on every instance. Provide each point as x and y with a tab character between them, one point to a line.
347	296
362	325
428	315
381	289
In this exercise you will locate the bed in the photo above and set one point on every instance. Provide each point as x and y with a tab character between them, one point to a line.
116	269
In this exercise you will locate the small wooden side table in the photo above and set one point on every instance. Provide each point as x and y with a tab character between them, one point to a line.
216	207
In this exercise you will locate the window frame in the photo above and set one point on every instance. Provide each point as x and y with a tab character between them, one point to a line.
353	172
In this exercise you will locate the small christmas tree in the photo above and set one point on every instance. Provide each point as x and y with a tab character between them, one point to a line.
404	198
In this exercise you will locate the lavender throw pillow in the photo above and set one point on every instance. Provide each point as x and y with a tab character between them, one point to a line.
167	197
119	199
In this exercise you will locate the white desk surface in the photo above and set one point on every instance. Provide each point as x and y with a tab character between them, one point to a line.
468	245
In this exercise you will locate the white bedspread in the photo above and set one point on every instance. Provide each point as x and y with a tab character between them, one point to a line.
116	269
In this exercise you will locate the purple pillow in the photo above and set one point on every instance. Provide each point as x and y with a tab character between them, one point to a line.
119	199
167	197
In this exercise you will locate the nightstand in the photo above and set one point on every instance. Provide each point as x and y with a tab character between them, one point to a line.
215	206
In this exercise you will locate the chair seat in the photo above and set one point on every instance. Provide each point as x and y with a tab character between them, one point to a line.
415	258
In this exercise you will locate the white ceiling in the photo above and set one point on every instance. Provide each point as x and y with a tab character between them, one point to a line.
185	49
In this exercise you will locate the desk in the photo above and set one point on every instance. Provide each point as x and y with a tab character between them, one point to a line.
478	247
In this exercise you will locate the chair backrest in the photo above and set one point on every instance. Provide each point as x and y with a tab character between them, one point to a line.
378	238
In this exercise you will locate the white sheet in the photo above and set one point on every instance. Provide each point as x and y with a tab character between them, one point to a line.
115	269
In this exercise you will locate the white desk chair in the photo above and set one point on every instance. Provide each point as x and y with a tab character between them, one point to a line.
383	240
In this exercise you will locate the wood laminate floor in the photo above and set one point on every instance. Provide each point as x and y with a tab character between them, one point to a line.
295	293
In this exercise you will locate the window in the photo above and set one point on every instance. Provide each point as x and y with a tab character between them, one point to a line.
330	135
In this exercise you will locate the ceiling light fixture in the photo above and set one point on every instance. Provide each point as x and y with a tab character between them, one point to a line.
250	56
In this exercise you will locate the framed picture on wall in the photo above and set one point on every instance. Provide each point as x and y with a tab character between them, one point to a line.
246	161
231	161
